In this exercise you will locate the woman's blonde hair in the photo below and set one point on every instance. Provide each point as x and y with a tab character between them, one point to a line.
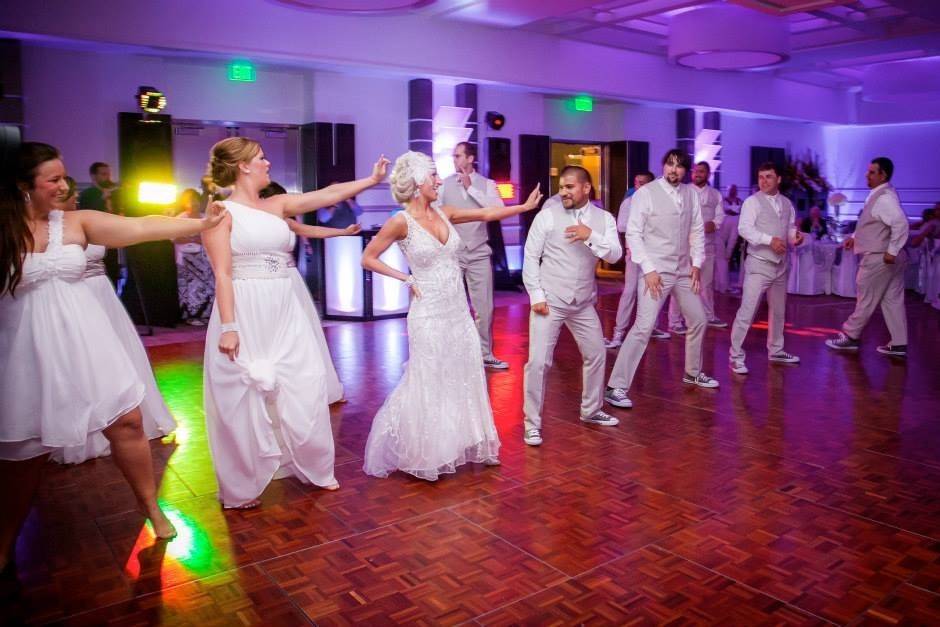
410	171
225	156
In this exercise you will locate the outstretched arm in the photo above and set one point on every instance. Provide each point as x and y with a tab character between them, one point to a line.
116	231
321	232
296	204
489	214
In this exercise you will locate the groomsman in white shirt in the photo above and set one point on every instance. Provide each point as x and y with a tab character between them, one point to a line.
710	202
880	235
565	241
469	190
667	240
767	223
631	273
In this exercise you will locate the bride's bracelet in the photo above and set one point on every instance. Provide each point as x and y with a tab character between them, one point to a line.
410	280
229	326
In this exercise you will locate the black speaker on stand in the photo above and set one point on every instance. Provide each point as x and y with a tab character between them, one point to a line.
146	154
499	157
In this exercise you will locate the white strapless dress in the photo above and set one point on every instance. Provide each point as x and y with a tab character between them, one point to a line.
157	419
439	416
64	373
267	412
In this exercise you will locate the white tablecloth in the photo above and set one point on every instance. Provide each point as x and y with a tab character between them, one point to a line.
821	267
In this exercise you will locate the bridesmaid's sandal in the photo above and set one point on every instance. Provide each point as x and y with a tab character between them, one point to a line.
249	505
330	488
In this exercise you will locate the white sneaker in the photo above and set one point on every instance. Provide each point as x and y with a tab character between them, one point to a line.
702	380
601	418
618	398
659	334
495	364
614	341
737	366
784	358
533	437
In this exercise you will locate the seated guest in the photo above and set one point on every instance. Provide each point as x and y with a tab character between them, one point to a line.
815	224
194	278
929	229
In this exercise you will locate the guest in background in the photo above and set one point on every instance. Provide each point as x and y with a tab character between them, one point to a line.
732	201
879	237
929	229
467	189
98	196
339	216
194	278
815	224
726	242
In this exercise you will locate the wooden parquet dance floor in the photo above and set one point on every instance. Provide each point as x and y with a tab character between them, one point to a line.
796	495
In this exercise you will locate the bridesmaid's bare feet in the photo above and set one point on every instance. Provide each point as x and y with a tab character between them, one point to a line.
163	529
332	487
253	503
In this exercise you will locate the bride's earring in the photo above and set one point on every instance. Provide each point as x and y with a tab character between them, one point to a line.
27	198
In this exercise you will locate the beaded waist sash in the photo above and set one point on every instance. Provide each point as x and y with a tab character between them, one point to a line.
272	265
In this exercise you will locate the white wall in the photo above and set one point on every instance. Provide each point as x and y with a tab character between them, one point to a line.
912	148
739	133
72	97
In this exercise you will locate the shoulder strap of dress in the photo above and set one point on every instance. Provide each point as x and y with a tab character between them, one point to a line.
56	228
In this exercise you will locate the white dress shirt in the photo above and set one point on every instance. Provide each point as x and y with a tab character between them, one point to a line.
747	224
641	208
889	211
604	245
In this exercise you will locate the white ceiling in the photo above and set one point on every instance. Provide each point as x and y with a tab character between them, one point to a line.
832	41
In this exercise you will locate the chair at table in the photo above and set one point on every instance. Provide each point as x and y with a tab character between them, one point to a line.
805	276
843	273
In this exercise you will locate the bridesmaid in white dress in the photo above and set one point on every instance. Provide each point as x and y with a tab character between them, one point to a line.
334	389
439	416
265	382
156	416
64	374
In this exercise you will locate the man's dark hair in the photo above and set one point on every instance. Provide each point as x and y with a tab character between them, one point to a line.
272	189
94	167
767	166
583	175
681	158
650	177
886	165
708	167
468	149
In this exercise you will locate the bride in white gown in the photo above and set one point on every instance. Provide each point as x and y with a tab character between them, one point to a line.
439	415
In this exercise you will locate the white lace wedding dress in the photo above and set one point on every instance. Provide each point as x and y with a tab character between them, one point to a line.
439	415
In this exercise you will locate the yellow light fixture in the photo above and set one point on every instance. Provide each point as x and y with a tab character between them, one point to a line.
150	193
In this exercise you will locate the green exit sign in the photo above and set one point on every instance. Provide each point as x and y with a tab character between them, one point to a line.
583	102
241	71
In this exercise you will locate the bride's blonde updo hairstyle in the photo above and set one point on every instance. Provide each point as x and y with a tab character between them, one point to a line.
410	171
225	157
